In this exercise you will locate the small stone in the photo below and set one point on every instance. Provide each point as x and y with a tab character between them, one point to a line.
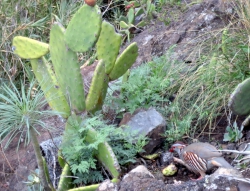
166	158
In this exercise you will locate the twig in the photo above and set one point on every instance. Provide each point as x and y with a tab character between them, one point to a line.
3	154
234	151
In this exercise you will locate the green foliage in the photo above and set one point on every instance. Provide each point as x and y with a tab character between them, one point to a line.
127	24
234	133
21	111
124	147
33	181
21	115
80	154
203	92
146	85
177	128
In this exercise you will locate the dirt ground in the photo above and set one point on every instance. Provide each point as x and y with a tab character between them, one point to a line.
16	166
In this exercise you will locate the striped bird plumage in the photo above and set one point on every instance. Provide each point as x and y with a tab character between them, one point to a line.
199	157
196	163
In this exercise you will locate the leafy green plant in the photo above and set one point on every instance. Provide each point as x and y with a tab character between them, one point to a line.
22	115
147	85
80	154
233	133
127	24
177	128
33	181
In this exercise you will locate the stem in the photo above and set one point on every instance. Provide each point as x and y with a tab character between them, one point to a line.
39	160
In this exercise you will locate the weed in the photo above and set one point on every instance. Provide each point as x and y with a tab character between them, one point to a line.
234	133
80	154
147	85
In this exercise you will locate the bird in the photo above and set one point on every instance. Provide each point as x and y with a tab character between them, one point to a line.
199	157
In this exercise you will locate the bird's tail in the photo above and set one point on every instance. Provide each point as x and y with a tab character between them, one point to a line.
220	162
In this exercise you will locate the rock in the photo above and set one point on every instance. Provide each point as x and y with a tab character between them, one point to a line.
225	172
107	185
49	150
193	27
166	158
147	122
242	186
223	179
140	179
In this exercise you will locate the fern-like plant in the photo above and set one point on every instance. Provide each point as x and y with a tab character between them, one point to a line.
22	115
79	154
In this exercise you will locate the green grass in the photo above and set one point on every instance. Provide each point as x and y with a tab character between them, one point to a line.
21	111
31	19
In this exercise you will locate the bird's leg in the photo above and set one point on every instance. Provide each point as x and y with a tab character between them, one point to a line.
179	161
202	175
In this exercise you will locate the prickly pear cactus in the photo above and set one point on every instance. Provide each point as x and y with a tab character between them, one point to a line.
28	48
65	78
239	101
108	45
124	61
67	69
84	28
48	82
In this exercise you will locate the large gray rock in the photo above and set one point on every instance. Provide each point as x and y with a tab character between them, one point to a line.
146	122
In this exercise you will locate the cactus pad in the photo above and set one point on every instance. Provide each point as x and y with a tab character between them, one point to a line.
239	101
67	69
108	45
65	182
28	48
83	29
102	96
49	85
105	155
96	86
124	61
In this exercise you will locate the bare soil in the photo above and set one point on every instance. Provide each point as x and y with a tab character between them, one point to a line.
16	166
